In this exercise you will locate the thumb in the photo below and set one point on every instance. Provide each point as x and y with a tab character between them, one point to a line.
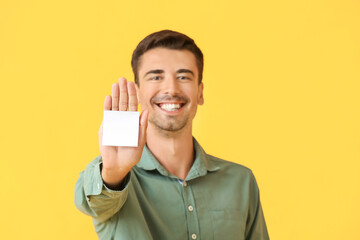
143	127
100	134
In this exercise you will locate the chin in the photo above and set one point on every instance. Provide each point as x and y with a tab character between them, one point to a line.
168	125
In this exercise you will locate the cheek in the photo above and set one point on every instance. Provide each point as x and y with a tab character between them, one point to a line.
145	99
193	94
143	102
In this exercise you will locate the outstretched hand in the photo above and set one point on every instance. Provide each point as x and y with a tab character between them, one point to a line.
118	161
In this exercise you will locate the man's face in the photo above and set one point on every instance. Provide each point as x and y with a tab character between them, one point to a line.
168	88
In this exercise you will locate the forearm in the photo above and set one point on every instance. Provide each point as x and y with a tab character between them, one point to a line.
93	198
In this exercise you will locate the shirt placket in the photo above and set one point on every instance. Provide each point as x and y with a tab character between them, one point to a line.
191	211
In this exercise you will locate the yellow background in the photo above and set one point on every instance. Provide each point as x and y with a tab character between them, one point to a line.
282	81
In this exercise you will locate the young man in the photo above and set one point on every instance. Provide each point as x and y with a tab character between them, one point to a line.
168	187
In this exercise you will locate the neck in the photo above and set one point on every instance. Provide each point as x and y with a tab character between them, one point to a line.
175	152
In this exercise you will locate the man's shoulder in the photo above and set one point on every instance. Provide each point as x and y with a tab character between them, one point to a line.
226	165
231	174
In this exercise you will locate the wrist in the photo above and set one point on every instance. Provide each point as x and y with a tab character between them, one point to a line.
112	177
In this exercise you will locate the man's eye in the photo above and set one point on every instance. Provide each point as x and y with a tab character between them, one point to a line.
155	78
183	77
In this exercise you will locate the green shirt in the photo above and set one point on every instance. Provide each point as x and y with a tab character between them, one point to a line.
217	200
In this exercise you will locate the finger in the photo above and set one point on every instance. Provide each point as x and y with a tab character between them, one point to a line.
107	103
133	103
123	100
115	97
107	106
104	150
143	126
100	134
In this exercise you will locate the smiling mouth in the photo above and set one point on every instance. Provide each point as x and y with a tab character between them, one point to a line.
170	107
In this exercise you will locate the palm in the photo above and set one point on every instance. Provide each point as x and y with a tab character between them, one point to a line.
116	157
119	160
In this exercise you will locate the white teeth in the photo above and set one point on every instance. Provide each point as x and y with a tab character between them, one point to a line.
170	107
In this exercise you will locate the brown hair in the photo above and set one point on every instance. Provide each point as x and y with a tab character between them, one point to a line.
166	39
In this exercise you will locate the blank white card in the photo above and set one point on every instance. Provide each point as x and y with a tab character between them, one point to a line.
120	128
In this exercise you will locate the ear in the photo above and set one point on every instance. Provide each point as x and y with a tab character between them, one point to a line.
200	94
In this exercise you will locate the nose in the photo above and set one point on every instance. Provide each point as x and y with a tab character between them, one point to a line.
171	85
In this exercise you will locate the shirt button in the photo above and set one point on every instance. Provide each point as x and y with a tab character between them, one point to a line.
193	236
184	184
190	208
98	185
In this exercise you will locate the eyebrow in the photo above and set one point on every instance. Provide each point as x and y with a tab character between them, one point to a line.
158	71
155	71
185	71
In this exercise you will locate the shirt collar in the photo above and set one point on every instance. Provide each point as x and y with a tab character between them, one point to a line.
200	167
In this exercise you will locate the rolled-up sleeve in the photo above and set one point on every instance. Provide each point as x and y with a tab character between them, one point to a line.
93	198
